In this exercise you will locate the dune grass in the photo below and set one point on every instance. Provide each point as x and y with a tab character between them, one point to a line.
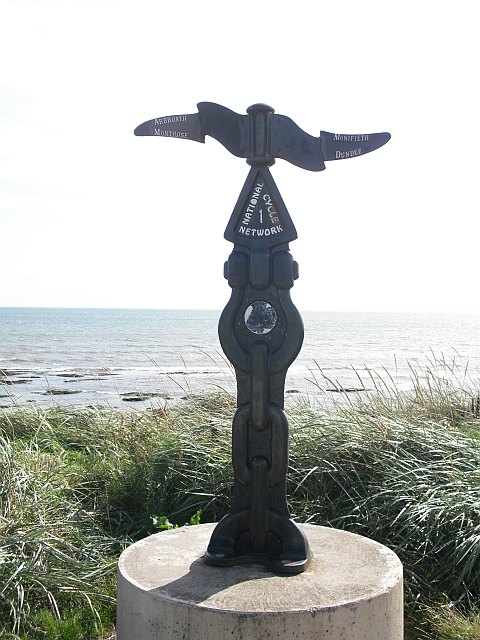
78	485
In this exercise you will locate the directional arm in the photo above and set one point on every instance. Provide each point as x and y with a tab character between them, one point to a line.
184	127
277	135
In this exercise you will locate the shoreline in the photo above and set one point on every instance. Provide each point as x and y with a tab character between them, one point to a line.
141	387
147	388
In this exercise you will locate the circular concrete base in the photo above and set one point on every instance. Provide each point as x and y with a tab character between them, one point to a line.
352	590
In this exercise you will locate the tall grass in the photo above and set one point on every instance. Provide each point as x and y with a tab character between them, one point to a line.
411	484
52	550
77	485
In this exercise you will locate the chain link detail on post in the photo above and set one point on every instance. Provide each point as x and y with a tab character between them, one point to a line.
258	527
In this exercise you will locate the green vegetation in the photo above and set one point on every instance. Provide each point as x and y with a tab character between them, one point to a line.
78	485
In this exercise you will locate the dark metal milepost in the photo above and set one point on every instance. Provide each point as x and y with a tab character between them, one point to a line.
260	329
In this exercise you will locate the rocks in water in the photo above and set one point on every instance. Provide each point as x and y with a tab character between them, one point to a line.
69	375
9	377
60	392
140	397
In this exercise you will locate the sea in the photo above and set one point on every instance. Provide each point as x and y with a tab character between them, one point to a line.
138	359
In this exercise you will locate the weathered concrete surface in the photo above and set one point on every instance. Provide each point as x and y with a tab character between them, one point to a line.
352	590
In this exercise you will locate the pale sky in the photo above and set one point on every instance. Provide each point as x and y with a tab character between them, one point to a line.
92	216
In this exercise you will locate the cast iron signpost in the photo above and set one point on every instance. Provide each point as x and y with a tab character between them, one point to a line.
260	330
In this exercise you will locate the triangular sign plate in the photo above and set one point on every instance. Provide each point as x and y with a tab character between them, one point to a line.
260	217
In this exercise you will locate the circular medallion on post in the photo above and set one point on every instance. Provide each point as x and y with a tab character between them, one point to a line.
260	317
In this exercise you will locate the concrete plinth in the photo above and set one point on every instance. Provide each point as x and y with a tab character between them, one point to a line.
352	590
